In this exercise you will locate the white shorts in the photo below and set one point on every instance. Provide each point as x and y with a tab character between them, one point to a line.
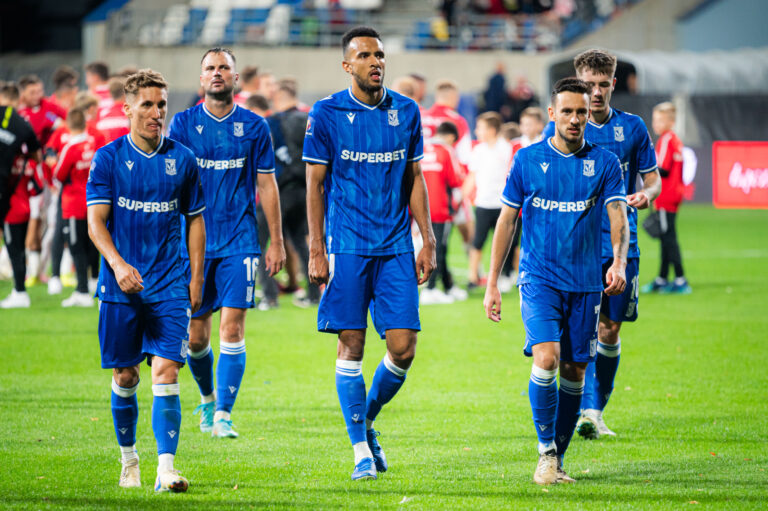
35	206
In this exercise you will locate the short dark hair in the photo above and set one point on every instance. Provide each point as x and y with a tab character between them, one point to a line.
65	77
248	73
257	101
598	61
448	128
360	31
27	80
219	49
100	69
143	79
117	87
570	84
289	86
10	91
76	119
492	119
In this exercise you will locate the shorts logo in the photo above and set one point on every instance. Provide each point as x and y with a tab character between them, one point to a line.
618	133
170	167
249	293
184	346
589	168
129	164
392	118
238	129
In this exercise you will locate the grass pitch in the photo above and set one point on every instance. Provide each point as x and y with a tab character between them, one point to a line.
689	406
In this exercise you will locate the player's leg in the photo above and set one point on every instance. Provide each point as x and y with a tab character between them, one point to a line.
430	295
78	244
268	284
57	252
295	224
600	378
680	284
199	356
230	369
14	236
125	416
33	239
482	227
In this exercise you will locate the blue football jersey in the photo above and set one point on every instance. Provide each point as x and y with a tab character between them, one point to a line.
626	136
366	149
230	152
562	197
148	193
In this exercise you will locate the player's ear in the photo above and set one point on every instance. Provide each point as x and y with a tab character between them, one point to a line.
127	106
613	84
345	65
551	112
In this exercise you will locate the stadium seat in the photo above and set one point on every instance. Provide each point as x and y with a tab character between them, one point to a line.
278	25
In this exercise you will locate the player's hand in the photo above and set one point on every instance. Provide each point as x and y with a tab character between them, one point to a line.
426	262
492	303
638	200
274	260
616	279
195	294
318	268
128	278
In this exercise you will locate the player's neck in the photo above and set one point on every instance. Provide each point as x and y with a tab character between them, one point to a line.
600	117
148	145
564	146
219	107
369	98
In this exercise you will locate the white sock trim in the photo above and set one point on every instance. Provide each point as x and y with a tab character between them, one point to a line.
609	350
199	354
547	447
542	377
165	389
349	367
123	391
232	348
390	365
361	451
221	415
575	388
165	462
210	398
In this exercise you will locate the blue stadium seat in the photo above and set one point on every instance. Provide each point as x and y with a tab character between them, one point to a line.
194	26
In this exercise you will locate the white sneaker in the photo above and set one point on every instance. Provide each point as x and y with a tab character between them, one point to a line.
16	300
54	286
92	285
78	300
172	481
587	425
601	427
546	469
434	297
458	294
130	476
505	284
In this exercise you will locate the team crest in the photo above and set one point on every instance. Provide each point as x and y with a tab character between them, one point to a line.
589	168
392	118
170	167
618	133
238	129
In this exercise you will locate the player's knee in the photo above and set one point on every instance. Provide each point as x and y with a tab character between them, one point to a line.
351	345
231	332
126	377
545	359
403	354
609	331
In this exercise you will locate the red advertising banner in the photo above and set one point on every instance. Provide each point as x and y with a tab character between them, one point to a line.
740	175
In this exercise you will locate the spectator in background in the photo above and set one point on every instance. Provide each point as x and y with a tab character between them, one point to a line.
112	122
669	158
97	81
126	71
65	87
520	98
249	84
531	125
489	165
495	96
421	88
267	85
510	131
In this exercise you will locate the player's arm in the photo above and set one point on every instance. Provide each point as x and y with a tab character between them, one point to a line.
318	259
615	277
651	189
419	203
196	251
270	202
503	235
128	278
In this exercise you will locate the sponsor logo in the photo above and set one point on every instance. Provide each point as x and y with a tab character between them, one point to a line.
589	168
544	167
148	206
563	206
386	157
249	293
199	128
129	164
232	389
170	167
543	427
740	174
123	431
392	118
6	137
310	124
356	417
172	433
351	117
238	129
747	179
205	164
618	133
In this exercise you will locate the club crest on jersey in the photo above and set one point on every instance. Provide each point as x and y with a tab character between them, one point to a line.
392	118
170	167
238	129
199	128
129	164
589	168
618	133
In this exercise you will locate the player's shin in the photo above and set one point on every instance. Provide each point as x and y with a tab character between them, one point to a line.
600	376
229	376
201	365
125	415
387	380
542	392
569	403
166	423
350	387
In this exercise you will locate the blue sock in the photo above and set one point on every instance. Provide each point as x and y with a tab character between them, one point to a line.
229	374
125	413
201	365
166	417
568	406
387	380
600	376
542	391
350	386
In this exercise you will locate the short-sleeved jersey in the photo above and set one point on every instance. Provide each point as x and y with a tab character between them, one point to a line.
441	173
434	116
21	188
16	135
562	197
626	136
44	119
72	172
148	193
367	149
670	158
230	151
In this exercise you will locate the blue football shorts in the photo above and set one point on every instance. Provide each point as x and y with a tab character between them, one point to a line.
552	315
384	284
623	307
128	332
229	282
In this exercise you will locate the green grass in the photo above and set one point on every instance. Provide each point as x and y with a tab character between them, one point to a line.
689	406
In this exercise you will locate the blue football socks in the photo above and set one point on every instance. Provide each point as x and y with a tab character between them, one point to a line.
542	392
201	365
600	376
350	386
166	417
387	380
568	406
229	374
125	413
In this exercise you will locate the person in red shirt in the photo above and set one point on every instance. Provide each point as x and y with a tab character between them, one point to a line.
112	122
442	173
65	87
97	81
72	172
669	158
249	84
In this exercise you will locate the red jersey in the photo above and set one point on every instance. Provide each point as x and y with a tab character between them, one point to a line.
669	156
517	144
438	114
112	122
61	137
72	171
241	97
20	182
44	118
442	173
103	95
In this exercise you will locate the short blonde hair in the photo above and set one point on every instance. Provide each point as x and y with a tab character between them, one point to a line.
666	107
142	79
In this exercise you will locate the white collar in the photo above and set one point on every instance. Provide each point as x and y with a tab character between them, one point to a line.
369	107
558	151
145	154
219	119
